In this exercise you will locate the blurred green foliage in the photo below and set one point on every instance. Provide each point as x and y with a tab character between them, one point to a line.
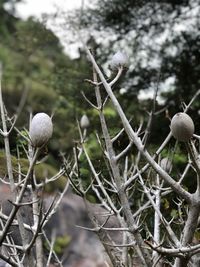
42	172
60	244
33	60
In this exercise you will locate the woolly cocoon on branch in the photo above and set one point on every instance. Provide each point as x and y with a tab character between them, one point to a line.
119	59
41	129
85	123
182	127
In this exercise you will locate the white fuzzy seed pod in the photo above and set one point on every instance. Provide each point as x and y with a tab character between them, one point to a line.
182	127
41	129
166	164
119	59
85	123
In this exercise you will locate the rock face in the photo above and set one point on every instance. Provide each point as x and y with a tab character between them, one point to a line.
84	249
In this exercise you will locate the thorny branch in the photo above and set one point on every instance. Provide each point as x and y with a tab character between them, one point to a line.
131	177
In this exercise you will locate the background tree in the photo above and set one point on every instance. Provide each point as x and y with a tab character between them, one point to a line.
161	38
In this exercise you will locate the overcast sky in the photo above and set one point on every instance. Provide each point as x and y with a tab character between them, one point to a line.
36	7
